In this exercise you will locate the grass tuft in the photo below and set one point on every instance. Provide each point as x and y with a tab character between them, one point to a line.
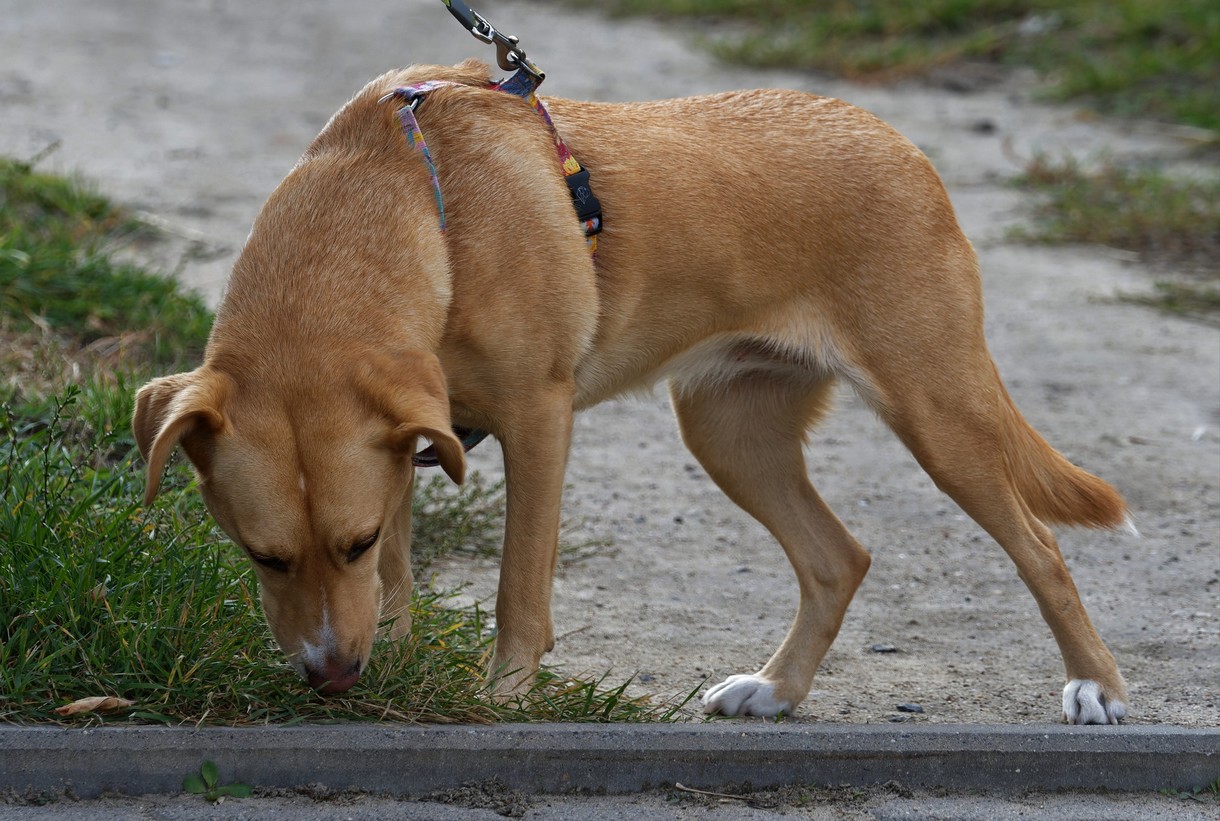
1142	209
449	521
58	273
1188	299
1168	222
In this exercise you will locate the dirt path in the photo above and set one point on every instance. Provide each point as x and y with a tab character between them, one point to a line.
193	111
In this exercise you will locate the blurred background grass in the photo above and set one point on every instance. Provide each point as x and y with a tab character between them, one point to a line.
1144	58
1140	59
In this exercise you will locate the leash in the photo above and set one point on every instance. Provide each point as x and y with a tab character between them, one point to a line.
509	55
524	84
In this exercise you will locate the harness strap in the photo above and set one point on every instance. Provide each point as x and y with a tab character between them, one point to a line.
523	84
412	96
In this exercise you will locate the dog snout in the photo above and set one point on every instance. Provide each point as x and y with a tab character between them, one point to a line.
333	676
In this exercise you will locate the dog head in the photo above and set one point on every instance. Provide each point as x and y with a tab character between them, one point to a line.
319	381
306	477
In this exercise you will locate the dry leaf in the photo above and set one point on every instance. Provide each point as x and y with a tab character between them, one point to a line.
94	704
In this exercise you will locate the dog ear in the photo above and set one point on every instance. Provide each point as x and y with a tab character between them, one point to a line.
449	451
410	389
172	409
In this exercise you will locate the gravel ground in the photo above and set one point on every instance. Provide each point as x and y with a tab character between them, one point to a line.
193	111
488	802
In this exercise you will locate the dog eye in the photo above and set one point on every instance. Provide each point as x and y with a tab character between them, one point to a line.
269	562
361	547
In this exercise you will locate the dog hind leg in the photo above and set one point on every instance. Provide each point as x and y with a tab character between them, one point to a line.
947	404
748	434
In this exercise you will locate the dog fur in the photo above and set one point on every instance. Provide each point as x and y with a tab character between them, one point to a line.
758	246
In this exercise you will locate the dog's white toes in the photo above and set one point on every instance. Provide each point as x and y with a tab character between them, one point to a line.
744	695
1085	703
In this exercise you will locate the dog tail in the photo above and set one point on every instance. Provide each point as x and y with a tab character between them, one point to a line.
1055	490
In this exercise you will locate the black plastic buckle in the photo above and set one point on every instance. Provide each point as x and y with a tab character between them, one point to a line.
587	205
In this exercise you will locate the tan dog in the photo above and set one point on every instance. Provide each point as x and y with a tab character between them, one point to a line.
758	246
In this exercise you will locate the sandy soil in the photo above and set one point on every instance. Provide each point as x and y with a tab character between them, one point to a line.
194	110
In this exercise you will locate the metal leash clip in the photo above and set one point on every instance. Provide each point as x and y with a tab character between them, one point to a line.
509	55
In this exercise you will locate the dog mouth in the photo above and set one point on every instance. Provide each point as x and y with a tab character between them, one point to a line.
332	678
326	673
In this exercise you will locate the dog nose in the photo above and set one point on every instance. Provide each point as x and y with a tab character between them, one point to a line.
333	677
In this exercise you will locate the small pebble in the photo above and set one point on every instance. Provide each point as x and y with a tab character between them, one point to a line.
909	708
883	648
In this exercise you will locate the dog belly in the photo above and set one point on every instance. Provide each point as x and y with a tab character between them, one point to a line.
793	341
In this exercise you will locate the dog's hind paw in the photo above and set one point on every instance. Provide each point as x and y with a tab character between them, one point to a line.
1085	702
744	695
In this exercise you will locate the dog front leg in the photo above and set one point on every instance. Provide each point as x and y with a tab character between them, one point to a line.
535	458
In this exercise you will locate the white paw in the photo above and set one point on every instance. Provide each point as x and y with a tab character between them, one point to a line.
744	695
1084	703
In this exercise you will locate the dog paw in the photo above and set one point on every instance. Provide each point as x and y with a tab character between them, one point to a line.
1085	702
744	695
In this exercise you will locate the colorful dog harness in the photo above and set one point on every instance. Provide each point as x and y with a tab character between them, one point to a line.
523	84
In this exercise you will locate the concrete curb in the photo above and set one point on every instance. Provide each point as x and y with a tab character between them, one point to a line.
557	758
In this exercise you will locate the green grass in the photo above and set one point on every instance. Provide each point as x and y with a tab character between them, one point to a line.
1140	57
1171	224
99	596
58	272
1208	793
